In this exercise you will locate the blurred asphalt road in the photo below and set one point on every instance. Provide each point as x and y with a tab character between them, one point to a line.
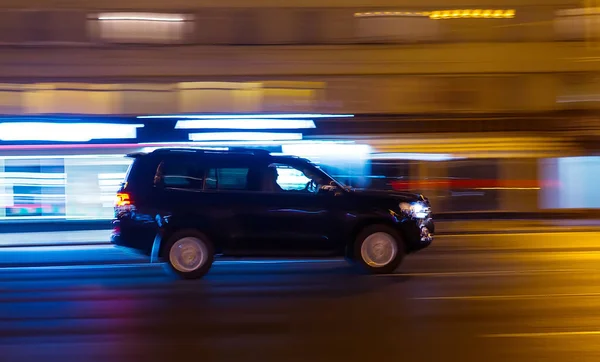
86	237
501	297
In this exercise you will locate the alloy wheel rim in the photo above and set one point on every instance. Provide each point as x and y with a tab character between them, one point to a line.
379	249
188	254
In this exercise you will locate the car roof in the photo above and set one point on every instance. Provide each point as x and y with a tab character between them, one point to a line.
232	151
192	150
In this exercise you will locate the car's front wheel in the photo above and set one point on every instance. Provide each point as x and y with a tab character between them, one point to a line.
189	254
379	249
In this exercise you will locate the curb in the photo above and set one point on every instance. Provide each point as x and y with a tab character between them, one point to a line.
56	245
9	227
77	264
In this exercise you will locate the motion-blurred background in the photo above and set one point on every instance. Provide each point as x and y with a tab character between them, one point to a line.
489	108
482	106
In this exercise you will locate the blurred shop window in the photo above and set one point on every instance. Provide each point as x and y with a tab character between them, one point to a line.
396	27
42	27
33	188
577	24
570	183
91	182
141	28
471	185
393	175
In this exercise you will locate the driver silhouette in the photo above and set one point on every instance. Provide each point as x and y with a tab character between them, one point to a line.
270	180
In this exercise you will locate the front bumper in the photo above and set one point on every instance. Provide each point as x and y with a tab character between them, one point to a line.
427	228
419	234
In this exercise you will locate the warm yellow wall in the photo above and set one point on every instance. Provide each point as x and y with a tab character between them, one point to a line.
462	58
475	65
144	98
191	4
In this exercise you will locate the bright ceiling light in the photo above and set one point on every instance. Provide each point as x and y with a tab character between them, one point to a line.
246	124
141	17
414	156
335	149
65	132
244	136
247	116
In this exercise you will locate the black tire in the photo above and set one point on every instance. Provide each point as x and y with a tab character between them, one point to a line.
396	259
203	248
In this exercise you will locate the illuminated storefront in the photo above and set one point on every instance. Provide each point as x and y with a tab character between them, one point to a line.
70	168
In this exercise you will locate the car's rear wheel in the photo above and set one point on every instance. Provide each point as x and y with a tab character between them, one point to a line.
189	254
379	249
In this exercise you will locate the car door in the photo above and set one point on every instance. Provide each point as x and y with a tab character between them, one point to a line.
233	200
293	220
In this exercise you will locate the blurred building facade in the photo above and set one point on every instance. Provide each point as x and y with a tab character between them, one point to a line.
469	71
346	56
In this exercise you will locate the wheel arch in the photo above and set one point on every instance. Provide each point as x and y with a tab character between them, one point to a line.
185	225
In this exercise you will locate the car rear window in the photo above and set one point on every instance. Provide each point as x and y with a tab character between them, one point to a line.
127	174
130	175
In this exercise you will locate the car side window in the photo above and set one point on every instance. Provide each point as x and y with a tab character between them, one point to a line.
285	178
211	179
179	175
227	178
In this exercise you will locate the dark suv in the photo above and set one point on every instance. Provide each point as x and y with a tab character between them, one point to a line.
185	206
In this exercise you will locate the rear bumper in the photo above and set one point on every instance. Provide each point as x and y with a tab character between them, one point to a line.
117	240
115	236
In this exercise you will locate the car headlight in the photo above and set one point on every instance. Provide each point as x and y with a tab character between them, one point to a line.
417	210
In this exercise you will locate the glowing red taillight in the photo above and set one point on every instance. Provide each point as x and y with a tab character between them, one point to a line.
123	199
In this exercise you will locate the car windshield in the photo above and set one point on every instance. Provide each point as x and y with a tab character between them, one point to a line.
319	172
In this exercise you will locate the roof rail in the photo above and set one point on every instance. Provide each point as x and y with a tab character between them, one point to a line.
174	149
252	151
